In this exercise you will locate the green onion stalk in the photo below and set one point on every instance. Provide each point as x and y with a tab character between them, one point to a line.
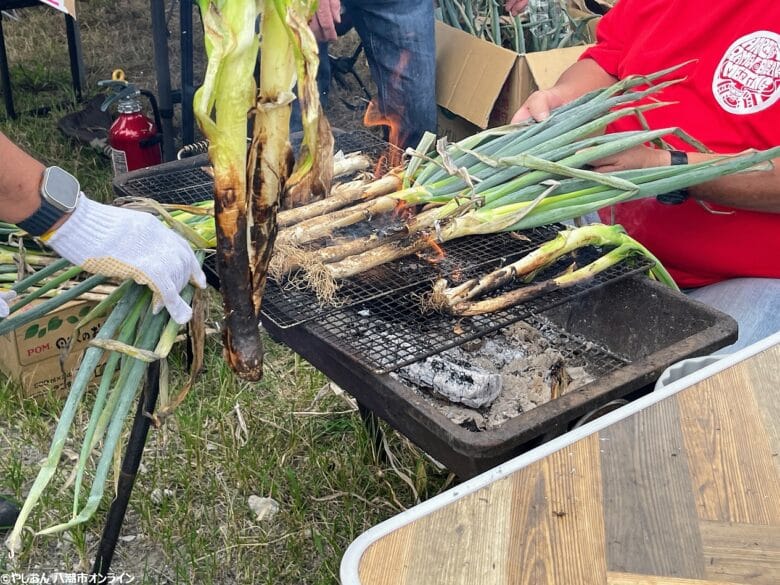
462	299
249	184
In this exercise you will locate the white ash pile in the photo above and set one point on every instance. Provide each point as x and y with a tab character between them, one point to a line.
486	382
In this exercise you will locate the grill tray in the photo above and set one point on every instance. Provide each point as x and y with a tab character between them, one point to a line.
626	333
625	330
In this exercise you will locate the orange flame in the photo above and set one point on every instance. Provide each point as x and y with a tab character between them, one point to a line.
396	133
437	250
403	211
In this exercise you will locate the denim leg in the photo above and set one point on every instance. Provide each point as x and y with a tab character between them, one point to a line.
398	38
753	302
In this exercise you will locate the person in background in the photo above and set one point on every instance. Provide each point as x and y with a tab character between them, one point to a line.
722	244
399	41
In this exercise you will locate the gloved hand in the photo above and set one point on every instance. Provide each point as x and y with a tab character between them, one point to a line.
5	298
323	23
123	243
515	7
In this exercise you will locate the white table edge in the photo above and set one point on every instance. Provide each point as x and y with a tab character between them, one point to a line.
350	563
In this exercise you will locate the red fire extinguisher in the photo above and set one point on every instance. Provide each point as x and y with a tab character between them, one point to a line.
134	138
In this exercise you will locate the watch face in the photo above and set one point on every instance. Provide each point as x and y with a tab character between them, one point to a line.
60	188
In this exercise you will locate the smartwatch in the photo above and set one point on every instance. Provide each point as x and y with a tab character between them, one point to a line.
59	195
678	157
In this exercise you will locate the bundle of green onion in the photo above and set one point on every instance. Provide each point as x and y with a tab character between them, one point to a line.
505	179
130	338
546	24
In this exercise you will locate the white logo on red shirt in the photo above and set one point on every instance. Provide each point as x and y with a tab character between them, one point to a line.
747	80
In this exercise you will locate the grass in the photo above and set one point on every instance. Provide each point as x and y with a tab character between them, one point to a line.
189	520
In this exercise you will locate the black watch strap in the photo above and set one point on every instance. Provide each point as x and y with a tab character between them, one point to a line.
42	220
678	157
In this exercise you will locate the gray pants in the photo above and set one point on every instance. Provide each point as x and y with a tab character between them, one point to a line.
753	302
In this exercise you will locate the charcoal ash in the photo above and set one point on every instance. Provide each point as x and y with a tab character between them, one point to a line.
528	363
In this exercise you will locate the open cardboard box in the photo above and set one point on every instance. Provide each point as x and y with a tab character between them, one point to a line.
30	355
481	85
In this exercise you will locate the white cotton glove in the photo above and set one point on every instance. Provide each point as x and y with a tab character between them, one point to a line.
5	298
123	243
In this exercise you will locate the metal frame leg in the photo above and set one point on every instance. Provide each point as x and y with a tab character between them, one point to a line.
187	73
130	464
5	76
75	56
163	71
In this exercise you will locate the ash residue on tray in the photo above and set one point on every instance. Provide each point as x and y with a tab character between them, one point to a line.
531	363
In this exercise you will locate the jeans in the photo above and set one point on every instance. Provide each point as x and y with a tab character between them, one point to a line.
753	302
398	38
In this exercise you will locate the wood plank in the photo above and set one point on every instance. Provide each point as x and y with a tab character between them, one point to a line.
465	542
557	520
764	375
387	560
651	520
632	579
735	477
741	552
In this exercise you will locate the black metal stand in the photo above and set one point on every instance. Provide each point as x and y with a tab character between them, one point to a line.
130	464
74	55
167	96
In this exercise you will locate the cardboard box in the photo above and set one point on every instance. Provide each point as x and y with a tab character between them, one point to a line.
481	85
31	354
66	6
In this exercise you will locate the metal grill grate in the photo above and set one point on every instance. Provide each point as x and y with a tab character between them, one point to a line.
578	351
377	317
187	185
287	305
186	182
392	331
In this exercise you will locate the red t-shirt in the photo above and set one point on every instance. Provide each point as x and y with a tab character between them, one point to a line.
729	102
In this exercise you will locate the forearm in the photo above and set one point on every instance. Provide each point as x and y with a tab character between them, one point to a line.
580	78
20	179
756	190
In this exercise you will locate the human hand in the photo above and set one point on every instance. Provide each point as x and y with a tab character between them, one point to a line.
5	298
123	243
323	23
539	105
639	157
515	7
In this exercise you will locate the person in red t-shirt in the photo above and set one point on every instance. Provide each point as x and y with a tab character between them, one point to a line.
723	243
